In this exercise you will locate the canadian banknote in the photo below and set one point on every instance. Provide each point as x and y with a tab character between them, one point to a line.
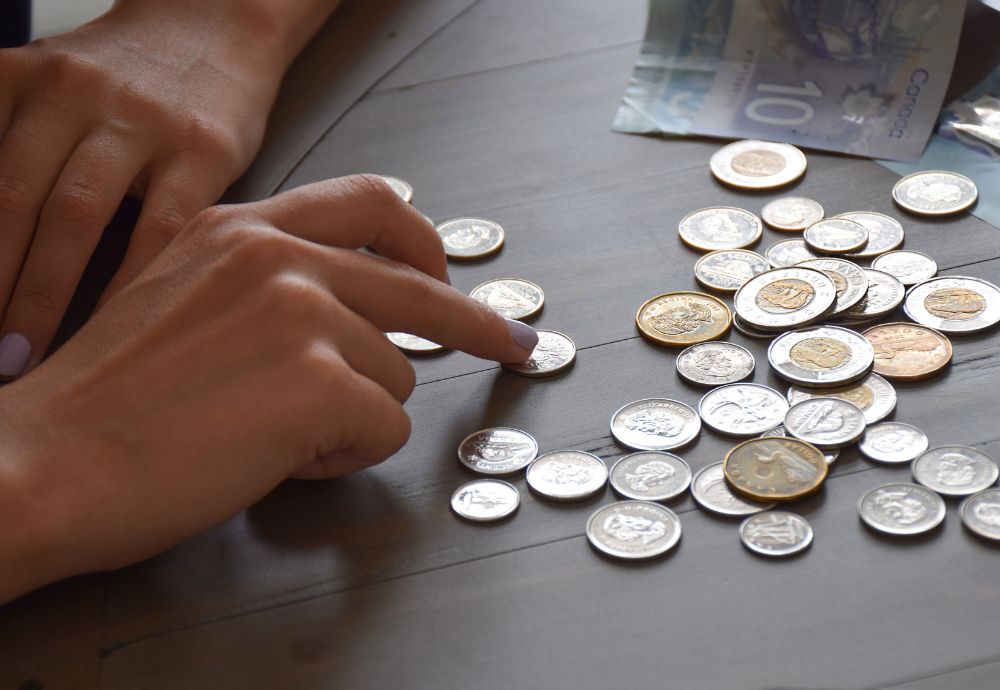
865	77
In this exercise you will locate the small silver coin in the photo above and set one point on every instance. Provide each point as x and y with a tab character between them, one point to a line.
785	298
650	475
776	533
414	344
788	253
893	442
825	422
935	193
873	395
829	454
513	298
470	238
885	233
753	164
751	332
497	451
715	363
791	213
907	266
849	278
720	227
981	514
901	509
633	530
885	293
727	270
402	188
835	236
954	304
567	475
655	424
742	409
710	490
554	354
485	500
955	470
821	357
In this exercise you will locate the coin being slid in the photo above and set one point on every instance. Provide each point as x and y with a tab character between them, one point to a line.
783	296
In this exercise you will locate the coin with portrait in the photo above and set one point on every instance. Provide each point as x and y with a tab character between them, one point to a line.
567	475
753	164
683	318
935	193
728	270
907	266
554	354
981	514
470	238
791	213
655	424
633	530
715	363
893	442
719	227
908	351
885	293
955	470
901	509
650	475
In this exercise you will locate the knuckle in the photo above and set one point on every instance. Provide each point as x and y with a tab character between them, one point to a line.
73	70
37	297
211	139
15	197
77	203
212	219
163	224
372	186
298	300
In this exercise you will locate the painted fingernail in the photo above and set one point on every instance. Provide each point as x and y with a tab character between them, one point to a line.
15	350
524	335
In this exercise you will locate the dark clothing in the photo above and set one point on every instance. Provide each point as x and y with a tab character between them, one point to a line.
15	23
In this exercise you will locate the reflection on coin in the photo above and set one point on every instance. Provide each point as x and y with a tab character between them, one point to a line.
567	475
403	188
825	356
955	470
981	514
907	351
791	213
825	422
907	266
775	469
901	509
633	529
497	451
835	236
787	253
727	270
650	475
715	363
752	164
414	344
719	227
776	533
485	500
655	424
683	318
742	409
785	298
470	238
885	293
512	297
554	354
954	304
935	193
829	454
873	395
884	232
849	278
710	490
751	332
893	442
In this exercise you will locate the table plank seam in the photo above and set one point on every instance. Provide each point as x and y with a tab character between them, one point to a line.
944	672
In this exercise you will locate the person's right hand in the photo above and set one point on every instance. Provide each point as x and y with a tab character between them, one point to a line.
250	350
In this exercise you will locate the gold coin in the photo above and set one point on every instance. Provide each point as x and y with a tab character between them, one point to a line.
775	468
908	351
679	319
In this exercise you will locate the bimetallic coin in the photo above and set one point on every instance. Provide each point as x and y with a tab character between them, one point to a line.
884	232
935	193
776	533
633	530
554	354
908	351
650	475
679	319
791	213
715	364
470	238
567	475
849	278
727	270
954	304
873	395
513	298
485	500
981	514
655	424
710	490
752	164
751	332
885	293
955	470
742	409
785	298
497	451
835	236
402	188
719	227
825	356
414	344
901	509
907	266
829	454
825	422
775	469
788	253
893	442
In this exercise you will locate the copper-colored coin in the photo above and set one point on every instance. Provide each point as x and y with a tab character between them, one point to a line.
679	319
908	351
775	468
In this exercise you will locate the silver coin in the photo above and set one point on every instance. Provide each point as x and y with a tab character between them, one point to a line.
954	304
955	470
485	500
567	475
901	509
785	298
715	363
470	238
633	529
655	424
884	233
553	354
650	475
907	266
751	332
791	213
776	533
981	514
935	193
497	451
848	277
893	442
513	298
402	188
829	454
788	253
885	293
720	227
710	490
742	409
727	270
825	422
873	395
835	236
414	344
821	357
753	164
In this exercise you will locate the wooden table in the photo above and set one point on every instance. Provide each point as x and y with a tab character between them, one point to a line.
502	108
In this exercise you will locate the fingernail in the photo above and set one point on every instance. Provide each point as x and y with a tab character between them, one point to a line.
15	350
524	335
